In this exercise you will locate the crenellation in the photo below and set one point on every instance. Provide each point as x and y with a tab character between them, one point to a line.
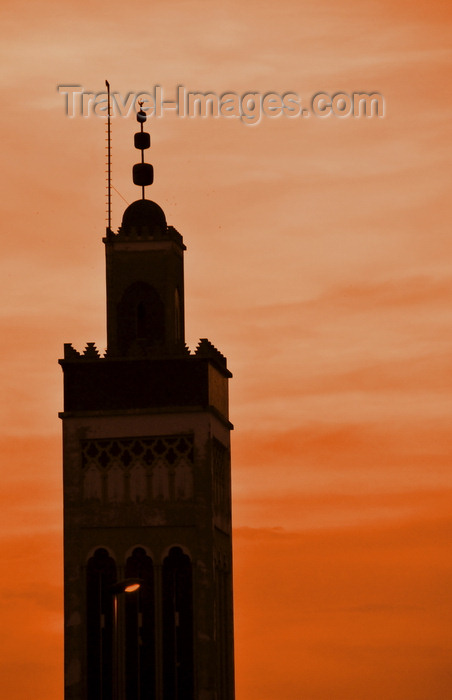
207	349
70	353
91	352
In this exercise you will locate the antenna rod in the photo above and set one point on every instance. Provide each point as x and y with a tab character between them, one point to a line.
108	155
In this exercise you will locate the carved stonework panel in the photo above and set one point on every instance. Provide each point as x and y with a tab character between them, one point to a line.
137	470
138	482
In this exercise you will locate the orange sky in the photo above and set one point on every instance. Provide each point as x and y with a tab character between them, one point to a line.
319	261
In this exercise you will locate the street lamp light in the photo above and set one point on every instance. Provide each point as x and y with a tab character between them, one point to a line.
128	585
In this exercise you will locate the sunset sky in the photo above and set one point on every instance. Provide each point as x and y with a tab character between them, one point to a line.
319	262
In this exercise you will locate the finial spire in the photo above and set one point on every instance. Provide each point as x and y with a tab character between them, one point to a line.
143	173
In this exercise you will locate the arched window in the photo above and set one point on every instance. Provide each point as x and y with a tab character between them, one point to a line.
140	629
100	575
177	618
141	319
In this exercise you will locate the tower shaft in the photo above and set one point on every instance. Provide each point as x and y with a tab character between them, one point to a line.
147	488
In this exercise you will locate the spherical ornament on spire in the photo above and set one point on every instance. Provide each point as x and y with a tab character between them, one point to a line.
142	140
141	115
142	173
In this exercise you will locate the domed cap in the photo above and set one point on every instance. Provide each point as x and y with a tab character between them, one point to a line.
143	219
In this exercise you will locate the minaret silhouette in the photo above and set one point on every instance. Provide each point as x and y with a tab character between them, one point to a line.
147	483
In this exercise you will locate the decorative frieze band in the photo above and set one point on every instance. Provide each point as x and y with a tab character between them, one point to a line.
138	469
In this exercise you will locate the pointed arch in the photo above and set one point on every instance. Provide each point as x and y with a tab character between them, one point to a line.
140	628
141	319
177	618
100	576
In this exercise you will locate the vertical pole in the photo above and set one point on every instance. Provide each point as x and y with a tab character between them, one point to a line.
108	155
142	160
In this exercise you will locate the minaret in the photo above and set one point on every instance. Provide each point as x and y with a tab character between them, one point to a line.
147	488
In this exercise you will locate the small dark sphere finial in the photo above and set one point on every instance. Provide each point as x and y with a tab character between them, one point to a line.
141	116
142	140
143	174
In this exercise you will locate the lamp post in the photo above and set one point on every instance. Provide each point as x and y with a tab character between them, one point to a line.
128	585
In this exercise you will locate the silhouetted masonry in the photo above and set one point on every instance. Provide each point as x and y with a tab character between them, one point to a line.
147	493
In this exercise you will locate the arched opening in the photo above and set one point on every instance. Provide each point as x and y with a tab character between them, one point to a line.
177	618
141	320
100	576
140	629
